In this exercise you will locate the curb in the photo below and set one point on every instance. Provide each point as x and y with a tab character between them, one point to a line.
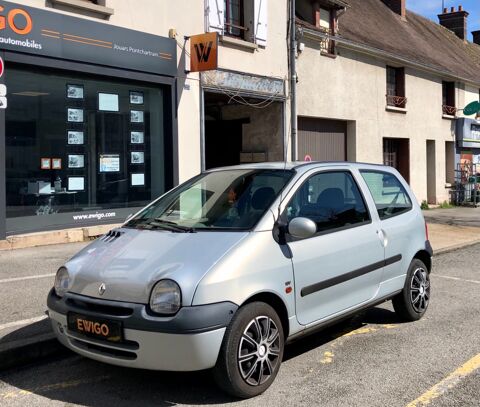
23	352
454	248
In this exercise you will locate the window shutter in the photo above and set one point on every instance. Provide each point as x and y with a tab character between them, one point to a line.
260	22
215	15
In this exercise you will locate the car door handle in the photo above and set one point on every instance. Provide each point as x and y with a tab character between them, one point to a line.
383	237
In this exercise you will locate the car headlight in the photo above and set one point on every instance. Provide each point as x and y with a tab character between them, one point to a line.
62	281
166	297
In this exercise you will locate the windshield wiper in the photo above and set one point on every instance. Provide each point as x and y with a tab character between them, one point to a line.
171	225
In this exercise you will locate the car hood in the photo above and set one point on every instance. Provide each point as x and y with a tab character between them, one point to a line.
129	263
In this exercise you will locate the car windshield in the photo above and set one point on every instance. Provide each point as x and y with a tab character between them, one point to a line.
226	199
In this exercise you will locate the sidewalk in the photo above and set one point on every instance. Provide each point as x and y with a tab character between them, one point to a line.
26	275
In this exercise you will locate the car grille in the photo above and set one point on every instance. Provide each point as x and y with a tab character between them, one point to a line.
105	310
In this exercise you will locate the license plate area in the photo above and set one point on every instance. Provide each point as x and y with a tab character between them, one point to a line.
96	328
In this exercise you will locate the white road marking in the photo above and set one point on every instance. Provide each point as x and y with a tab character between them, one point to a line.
11	280
22	322
458	279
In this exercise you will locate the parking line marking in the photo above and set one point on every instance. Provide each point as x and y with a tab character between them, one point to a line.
447	383
10	280
49	387
22	322
458	279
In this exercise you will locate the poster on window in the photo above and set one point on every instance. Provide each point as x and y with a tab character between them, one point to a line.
109	162
75	115
76	183
76	161
136	98
137	157
108	102
74	91
75	137
136	137
136	116
138	179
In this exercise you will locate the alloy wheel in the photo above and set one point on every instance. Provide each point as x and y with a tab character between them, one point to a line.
420	290
259	350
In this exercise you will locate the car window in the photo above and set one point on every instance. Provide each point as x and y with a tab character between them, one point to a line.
331	199
389	195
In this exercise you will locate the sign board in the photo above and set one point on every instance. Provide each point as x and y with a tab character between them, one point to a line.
467	133
471	108
204	52
3	90
46	33
308	158
3	102
2	67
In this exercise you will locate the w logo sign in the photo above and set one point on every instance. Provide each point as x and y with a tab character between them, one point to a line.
203	52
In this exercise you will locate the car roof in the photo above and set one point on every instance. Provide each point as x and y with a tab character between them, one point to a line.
302	166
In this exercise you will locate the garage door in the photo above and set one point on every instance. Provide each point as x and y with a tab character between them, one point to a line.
323	140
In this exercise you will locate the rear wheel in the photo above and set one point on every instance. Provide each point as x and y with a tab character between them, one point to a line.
251	352
412	303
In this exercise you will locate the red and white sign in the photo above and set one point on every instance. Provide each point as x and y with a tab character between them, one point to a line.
308	158
1	67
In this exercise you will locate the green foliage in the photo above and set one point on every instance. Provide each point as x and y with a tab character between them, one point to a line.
424	205
445	205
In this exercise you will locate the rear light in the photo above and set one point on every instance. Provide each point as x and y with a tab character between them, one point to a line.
426	231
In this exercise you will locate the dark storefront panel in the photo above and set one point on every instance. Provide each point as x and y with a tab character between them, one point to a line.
101	143
322	140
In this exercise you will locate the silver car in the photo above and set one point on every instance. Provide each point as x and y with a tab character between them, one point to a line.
222	271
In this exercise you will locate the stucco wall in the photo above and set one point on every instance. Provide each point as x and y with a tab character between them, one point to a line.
353	87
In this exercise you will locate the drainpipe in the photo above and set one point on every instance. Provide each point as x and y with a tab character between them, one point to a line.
293	81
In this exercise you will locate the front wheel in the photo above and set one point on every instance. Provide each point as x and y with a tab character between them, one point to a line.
412	303
251	352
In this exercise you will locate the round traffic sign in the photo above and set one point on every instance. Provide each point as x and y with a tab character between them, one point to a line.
308	158
1	67
471	108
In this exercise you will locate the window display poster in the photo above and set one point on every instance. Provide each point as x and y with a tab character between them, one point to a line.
56	163
137	157
136	98
75	137
76	183
74	91
76	161
108	102
136	116
138	180
75	115
136	137
109	162
45	163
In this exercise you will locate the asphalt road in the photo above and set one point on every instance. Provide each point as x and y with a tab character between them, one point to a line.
372	361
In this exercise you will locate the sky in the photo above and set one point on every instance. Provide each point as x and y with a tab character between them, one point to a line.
431	8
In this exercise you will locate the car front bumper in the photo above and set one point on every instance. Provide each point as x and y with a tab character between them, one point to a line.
153	343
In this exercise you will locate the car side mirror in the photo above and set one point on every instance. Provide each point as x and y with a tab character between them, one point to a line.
302	228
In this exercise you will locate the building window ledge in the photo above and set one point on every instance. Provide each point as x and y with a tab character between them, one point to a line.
395	109
237	43
328	54
448	117
76	6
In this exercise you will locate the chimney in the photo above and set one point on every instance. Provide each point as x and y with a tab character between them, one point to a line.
455	20
476	37
397	6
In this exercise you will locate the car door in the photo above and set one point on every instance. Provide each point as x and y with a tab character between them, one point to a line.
341	266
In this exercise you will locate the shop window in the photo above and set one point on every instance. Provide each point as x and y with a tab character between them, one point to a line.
77	144
396	87
448	98
242	19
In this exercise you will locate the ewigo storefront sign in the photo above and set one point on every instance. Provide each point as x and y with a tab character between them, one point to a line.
89	135
41	32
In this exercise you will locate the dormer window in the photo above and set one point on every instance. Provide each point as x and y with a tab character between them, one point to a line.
325	21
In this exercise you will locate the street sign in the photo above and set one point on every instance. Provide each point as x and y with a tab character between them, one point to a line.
3	102
2	65
308	158
3	90
471	108
204	52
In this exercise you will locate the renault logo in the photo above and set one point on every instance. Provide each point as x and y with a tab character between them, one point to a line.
102	288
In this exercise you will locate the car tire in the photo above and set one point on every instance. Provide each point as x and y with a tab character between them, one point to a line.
251	351
412	303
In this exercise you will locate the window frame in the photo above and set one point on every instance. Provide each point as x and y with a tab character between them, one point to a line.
284	216
405	190
228	21
398	86
449	99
